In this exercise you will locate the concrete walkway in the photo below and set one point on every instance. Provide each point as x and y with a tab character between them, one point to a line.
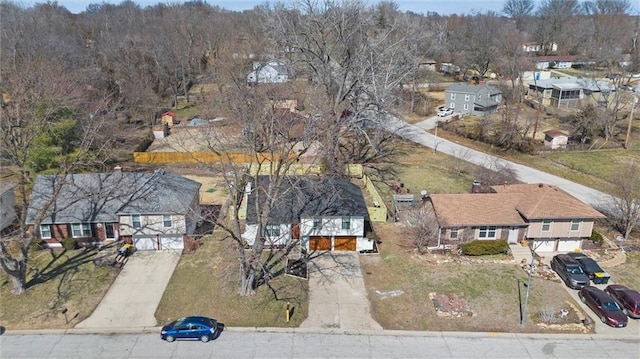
133	298
337	295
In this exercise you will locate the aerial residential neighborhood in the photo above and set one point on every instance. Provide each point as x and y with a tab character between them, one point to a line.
182	172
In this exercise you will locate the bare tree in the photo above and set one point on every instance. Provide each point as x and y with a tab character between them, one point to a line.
426	232
625	200
518	10
553	17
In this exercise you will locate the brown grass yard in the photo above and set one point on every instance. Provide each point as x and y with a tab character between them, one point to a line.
206	283
399	282
72	282
627	273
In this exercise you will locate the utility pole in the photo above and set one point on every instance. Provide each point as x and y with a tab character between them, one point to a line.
633	105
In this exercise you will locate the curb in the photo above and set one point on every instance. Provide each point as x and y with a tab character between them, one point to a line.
333	331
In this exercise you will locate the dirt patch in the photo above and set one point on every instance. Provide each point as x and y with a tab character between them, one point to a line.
450	305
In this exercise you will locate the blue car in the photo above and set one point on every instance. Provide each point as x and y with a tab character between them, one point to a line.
195	328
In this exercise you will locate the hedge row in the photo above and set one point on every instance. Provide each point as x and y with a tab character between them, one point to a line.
481	248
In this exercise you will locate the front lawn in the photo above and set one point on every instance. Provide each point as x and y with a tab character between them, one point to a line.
399	282
66	291
206	282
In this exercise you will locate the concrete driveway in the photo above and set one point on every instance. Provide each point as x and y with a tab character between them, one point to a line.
133	298
337	295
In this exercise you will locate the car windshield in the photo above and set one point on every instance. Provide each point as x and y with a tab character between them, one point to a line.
611	306
574	270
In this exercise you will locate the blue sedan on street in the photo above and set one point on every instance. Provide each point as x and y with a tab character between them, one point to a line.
194	328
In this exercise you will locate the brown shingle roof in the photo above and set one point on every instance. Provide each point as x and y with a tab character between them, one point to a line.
476	209
543	201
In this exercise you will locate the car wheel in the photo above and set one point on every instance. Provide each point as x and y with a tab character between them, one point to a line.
204	338
582	299
170	338
602	319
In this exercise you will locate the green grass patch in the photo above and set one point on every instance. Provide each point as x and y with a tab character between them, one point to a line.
67	279
206	283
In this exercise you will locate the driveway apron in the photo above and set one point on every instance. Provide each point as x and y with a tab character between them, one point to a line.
337	295
134	296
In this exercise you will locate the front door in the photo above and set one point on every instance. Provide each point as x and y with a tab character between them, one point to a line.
513	235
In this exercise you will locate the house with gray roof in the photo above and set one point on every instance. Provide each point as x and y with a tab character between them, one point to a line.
151	210
570	92
319	213
472	99
272	72
8	213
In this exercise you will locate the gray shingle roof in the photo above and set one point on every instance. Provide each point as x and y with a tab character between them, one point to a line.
100	197
463	87
308	197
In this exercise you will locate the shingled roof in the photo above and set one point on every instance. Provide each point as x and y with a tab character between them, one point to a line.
308	197
101	197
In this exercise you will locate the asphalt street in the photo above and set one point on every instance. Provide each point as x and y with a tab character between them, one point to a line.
418	134
300	344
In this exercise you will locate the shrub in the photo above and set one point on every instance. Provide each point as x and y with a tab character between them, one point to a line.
69	243
596	238
481	248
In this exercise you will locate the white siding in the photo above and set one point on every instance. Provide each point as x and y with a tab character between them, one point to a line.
153	224
332	226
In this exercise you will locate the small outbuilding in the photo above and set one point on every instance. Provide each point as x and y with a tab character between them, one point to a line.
555	139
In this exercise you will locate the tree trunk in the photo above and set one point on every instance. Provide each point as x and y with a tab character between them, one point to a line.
17	270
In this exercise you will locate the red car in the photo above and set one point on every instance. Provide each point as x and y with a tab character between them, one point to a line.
628	299
604	306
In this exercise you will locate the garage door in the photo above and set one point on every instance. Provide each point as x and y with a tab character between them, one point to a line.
345	244
319	243
544	246
568	245
175	242
145	243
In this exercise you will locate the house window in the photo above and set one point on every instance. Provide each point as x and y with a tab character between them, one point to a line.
575	225
453	96
135	221
45	231
273	230
452	105
166	221
479	97
487	232
546	225
108	230
453	233
317	223
466	107
467	97
346	223
80	230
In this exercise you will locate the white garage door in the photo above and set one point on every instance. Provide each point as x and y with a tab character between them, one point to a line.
145	243
568	245
175	242
544	246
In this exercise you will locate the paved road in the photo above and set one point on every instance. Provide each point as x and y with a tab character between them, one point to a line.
418	134
301	344
133	298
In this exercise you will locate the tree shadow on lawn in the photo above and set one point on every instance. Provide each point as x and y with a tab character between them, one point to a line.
57	266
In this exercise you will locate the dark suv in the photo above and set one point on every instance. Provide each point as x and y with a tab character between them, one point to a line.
569	271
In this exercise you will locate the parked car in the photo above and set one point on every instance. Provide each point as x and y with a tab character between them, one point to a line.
195	327
628	299
444	111
604	306
569	271
593	270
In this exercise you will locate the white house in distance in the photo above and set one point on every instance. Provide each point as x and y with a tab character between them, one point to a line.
272	72
319	213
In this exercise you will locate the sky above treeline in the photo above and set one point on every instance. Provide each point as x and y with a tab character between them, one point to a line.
442	7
